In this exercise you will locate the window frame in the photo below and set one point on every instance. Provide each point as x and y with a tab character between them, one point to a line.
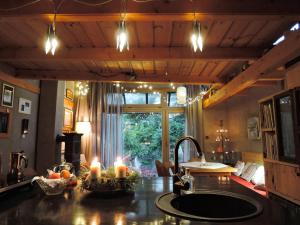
162	108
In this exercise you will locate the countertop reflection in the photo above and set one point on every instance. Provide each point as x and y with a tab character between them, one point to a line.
80	208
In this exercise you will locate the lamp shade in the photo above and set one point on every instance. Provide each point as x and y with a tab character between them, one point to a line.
181	95
83	127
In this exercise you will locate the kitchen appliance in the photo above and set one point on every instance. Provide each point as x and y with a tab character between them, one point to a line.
18	162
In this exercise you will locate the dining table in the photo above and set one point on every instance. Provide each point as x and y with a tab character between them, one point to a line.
198	168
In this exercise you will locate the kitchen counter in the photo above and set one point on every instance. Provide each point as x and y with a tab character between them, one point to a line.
28	207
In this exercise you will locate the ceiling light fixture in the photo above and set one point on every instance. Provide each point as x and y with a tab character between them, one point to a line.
122	35
196	37
51	43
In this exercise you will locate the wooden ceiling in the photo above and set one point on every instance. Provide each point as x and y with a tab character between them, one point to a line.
234	32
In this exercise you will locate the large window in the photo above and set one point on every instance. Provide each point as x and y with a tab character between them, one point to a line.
142	98
152	123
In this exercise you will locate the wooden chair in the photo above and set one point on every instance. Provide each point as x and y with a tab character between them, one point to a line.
163	170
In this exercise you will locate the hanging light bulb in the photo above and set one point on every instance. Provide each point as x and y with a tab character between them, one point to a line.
51	41
122	37
196	37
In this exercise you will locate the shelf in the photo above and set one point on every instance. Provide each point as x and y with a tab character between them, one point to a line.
268	129
281	162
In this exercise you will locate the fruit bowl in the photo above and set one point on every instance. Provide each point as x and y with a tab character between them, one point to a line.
56	183
51	186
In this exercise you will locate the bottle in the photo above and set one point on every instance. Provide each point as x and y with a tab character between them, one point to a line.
187	177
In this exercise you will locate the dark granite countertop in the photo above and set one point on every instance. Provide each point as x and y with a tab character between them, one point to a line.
27	207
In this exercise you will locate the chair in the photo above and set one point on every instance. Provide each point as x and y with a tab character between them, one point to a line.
162	170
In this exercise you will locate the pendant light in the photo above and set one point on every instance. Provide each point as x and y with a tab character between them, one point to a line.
181	95
51	41
196	37
122	34
122	37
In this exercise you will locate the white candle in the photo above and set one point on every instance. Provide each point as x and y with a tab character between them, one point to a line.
95	169
120	168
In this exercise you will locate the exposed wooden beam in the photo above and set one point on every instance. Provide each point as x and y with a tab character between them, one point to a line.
7	75
275	58
273	76
136	54
92	76
159	10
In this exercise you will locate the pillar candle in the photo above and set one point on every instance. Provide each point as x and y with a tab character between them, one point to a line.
120	168
95	169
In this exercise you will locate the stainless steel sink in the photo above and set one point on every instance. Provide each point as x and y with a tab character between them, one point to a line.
209	205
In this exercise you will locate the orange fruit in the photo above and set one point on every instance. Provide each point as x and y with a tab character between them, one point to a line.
65	174
54	176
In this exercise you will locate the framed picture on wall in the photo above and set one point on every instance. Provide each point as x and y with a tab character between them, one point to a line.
5	122
253	128
7	95
68	119
69	94
24	106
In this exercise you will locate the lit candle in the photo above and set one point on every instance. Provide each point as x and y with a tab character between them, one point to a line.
95	169
120	168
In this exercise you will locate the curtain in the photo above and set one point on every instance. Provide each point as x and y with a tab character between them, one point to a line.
194	123
82	115
105	104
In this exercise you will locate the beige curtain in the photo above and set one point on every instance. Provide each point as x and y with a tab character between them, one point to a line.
105	103
102	108
194	123
82	115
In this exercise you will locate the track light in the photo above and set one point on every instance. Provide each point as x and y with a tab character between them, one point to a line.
196	37
51	41
122	37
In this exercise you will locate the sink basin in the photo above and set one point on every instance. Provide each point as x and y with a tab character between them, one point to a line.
209	205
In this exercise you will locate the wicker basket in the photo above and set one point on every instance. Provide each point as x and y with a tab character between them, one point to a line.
52	190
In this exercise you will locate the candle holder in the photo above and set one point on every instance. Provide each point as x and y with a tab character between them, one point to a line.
108	185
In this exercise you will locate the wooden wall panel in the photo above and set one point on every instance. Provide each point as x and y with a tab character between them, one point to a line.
181	34
162	34
94	33
160	67
65	37
148	67
145	34
234	32
109	30
217	32
252	29
198	68
218	69
272	30
79	34
133	35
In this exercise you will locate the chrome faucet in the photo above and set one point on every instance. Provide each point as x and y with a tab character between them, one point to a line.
178	183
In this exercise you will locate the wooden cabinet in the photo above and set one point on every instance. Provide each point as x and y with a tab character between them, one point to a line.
287	181
280	126
269	176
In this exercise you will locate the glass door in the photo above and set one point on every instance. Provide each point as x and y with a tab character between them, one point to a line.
142	141
176	122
